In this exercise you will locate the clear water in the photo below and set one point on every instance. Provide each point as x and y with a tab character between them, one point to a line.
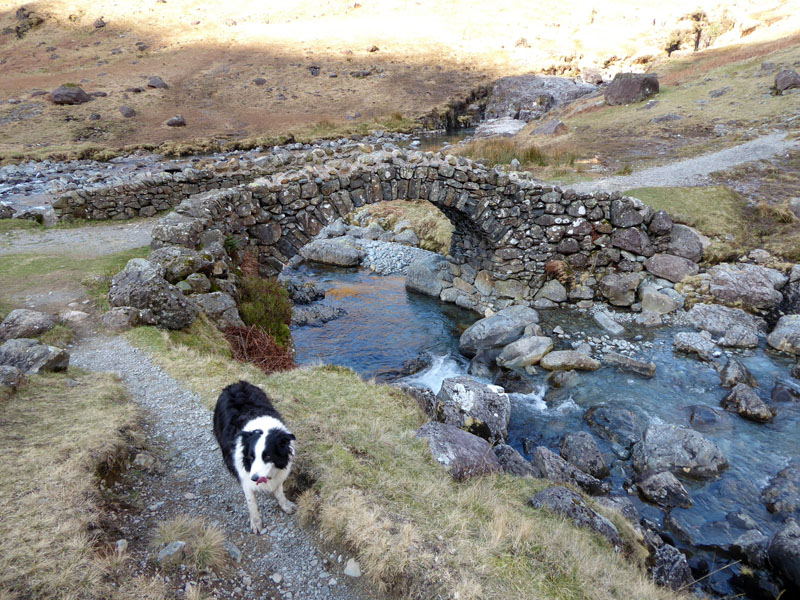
434	142
387	326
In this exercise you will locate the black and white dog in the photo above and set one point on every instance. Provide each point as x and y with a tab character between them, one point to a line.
256	445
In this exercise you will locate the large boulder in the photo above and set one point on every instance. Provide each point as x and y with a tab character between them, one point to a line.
513	462
782	494
620	288
682	451
527	350
32	357
566	360
625	212
787	79
670	568
744	401
734	372
627	88
670	267
571	505
784	552
633	240
658	303
498	330
550	465
617	424
141	285
580	449
220	308
69	94
180	262
340	252
463	454
423	275
685	242
734	327
786	335
483	410
23	323
664	489
746	285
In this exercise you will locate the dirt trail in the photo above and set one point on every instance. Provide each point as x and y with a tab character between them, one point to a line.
693	171
195	482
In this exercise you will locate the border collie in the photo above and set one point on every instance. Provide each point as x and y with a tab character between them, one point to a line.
256	445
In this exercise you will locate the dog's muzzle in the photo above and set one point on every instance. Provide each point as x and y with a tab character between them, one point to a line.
258	479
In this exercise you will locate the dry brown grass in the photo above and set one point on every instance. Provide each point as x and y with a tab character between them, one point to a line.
60	435
433	229
205	544
371	486
255	346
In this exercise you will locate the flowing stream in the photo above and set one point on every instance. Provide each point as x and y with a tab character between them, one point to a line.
385	326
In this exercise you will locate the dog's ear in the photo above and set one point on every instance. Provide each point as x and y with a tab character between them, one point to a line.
291	437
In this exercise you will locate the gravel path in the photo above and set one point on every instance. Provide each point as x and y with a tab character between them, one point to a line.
90	241
284	552
693	171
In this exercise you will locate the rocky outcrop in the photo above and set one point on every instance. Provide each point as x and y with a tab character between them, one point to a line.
142	285
678	450
498	330
580	449
23	323
463	455
744	401
550	465
220	308
750	286
670	568
571	505
32	357
627	88
180	262
786	335
529	97
482	410
733	326
787	79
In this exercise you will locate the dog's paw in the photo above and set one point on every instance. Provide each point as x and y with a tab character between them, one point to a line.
288	507
256	526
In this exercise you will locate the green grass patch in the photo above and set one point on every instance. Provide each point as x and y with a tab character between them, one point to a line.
265	303
7	225
59	336
369	485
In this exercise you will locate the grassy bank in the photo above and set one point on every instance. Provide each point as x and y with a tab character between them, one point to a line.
371	486
62	431
428	222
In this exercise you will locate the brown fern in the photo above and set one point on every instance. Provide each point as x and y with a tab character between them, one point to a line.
560	270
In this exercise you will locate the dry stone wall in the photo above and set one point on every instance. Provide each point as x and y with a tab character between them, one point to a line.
508	228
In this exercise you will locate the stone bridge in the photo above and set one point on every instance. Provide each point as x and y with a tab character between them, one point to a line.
510	232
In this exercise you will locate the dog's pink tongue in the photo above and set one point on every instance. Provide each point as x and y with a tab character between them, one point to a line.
262	480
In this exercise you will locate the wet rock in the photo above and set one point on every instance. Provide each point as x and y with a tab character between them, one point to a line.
670	267
785	391
679	450
736	327
786	335
744	401
176	121
333	252
782	494
483	363
627	363
32	357
752	546
525	351
562	379
303	291
607	322
463	454
474	407
69	94
784	552
11	379
513	383
566	360
696	343
315	314
751	286
686	243
627	88
172	554
423	275
580	449
142	285
615	424
571	505
220	308
670	568
120	318
500	329
664	489
786	80
23	323
179	262
550	465
620	288
735	372
156	82
513	462
706	418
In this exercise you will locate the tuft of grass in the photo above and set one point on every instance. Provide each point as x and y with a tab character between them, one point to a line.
265	303
60	336
433	229
48	532
205	544
202	336
370	485
503	150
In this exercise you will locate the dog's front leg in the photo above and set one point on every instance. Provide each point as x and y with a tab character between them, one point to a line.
252	507
286	506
